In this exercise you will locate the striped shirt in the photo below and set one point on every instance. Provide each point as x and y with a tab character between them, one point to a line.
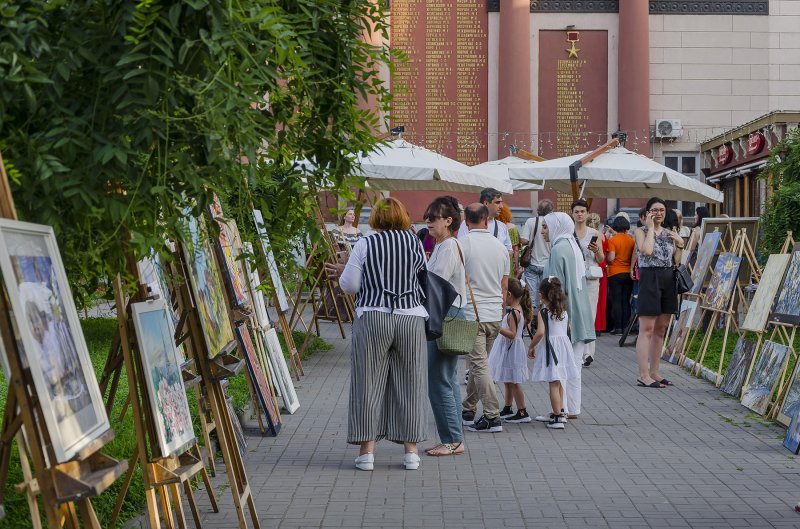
389	263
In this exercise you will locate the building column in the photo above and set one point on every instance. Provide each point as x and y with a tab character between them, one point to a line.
514	77
634	74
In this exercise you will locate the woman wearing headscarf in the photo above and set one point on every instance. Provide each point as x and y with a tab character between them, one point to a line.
567	264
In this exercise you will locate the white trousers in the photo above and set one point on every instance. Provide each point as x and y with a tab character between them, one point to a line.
593	286
572	386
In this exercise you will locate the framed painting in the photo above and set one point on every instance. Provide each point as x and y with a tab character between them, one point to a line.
757	395
729	226
161	371
737	368
680	331
723	281
705	255
787	306
281	372
238	433
229	246
272	265
260	383
792	440
791	402
206	286
771	278
254	280
51	335
153	275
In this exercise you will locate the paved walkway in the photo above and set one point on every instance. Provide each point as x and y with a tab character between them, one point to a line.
685	456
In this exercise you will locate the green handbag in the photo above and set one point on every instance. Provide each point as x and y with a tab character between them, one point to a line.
458	336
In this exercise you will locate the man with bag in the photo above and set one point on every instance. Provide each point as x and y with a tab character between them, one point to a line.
487	269
537	252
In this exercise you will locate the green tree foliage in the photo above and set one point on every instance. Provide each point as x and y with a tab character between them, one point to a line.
782	213
117	115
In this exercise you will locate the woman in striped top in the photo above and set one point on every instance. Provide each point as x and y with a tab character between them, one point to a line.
389	360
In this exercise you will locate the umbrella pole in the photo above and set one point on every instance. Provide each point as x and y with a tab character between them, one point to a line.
575	166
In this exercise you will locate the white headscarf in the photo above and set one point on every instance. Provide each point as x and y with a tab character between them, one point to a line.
561	226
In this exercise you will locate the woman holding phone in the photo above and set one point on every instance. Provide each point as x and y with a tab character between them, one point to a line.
659	249
591	244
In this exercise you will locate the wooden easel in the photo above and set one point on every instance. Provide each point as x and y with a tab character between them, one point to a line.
65	488
212	372
739	246
162	474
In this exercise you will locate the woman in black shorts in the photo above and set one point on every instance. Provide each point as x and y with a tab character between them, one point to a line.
658	249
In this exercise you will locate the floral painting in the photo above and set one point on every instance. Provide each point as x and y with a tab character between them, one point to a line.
161	362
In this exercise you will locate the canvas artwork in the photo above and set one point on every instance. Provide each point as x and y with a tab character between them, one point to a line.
161	362
259	303
748	224
260	383
274	273
207	288
723	281
238	433
760	307
737	368
227	240
787	306
705	254
680	331
791	402
758	393
281	372
792	440
153	275
51	336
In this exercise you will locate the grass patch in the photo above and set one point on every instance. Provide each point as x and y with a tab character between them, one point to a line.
99	333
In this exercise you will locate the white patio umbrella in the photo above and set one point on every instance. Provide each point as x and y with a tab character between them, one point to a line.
403	166
511	168
620	173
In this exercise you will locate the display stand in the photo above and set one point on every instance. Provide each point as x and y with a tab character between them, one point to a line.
739	247
212	372
162	475
65	488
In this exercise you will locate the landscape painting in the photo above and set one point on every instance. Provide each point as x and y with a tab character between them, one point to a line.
723	281
729	226
761	306
737	368
161	363
705	255
792	440
787	306
227	240
757	395
207	289
791	402
52	338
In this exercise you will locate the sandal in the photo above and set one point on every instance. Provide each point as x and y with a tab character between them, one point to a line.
666	382
654	384
433	448
446	449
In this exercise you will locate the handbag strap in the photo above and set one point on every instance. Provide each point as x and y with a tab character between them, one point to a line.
471	295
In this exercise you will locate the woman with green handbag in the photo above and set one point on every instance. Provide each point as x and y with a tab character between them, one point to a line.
444	218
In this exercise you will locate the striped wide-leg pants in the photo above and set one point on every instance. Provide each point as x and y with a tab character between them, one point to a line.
388	379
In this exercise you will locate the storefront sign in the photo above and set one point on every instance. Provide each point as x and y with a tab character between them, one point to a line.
755	143
724	155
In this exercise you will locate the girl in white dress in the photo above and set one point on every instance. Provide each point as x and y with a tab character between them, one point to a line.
551	349
508	361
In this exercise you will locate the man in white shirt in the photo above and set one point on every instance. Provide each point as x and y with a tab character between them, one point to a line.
487	266
492	199
540	253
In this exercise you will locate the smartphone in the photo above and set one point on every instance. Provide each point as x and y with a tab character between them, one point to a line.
593	240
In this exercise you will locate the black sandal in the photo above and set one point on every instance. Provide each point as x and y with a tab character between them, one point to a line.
666	382
655	384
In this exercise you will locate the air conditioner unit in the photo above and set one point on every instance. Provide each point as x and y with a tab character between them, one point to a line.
668	128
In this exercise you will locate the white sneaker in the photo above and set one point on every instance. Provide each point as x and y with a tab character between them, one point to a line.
555	424
365	462
546	418
411	461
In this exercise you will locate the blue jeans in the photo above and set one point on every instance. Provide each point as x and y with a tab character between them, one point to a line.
533	276
444	390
